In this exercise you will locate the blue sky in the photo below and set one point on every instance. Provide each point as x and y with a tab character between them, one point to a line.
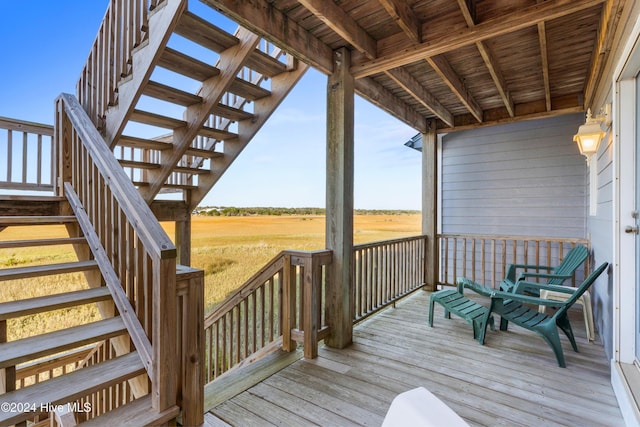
44	45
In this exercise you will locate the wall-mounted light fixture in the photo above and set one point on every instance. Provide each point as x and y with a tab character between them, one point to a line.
591	133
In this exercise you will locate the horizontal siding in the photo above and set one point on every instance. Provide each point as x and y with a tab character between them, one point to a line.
518	179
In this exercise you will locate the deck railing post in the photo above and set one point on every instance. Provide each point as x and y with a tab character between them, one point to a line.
311	304
288	303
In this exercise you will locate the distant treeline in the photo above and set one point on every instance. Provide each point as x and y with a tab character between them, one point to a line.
233	211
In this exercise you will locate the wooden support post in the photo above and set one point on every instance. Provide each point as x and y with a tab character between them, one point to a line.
430	204
183	240
339	205
190	318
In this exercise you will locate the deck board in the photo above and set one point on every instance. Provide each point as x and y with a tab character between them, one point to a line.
513	380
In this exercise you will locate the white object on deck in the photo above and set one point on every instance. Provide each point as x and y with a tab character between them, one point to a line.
584	300
419	407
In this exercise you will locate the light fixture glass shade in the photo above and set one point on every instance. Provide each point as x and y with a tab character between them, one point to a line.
589	136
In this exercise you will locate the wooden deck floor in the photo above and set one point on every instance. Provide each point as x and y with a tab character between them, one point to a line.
513	380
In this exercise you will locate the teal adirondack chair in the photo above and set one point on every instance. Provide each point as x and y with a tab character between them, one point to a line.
554	275
510	307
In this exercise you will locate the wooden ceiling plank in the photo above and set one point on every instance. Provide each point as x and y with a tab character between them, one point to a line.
508	23
468	12
336	19
420	93
404	17
262	18
381	97
542	36
455	83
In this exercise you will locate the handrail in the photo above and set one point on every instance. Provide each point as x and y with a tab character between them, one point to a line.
385	271
485	258
36	171
141	255
280	305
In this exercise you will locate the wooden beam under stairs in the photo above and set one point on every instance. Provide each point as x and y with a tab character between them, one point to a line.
25	307
26	349
71	387
46	270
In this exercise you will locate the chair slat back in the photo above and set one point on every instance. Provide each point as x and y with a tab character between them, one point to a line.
571	262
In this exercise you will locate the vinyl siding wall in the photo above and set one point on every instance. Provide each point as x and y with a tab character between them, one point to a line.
523	179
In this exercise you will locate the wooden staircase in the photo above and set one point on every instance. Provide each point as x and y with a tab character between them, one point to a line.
68	387
183	140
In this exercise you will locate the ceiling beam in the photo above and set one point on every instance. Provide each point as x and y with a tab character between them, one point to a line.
398	56
468	11
335	18
612	10
381	97
455	83
420	93
262	18
404	17
544	58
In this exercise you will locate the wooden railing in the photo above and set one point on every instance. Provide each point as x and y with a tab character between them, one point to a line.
485	259
136	257
123	28
386	271
32	144
110	398
280	305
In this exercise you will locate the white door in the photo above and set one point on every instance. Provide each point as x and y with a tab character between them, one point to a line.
633	224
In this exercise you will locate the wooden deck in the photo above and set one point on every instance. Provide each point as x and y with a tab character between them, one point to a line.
513	380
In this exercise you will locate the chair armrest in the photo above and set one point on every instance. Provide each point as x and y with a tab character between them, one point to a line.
499	295
522	285
463	283
511	270
525	274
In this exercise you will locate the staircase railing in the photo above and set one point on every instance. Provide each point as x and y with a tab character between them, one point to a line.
123	28
33	144
280	305
136	257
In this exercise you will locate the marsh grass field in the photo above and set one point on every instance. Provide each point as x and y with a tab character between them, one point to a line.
229	249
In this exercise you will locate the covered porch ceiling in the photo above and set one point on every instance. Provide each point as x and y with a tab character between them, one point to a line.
462	63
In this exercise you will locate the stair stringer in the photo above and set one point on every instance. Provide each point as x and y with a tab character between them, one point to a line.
281	85
162	23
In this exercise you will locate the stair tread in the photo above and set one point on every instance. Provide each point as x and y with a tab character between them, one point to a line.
137	413
157	120
46	270
35	219
139	164
42	242
204	33
171	94
231	113
29	306
26	349
70	387
135	142
183	64
265	64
